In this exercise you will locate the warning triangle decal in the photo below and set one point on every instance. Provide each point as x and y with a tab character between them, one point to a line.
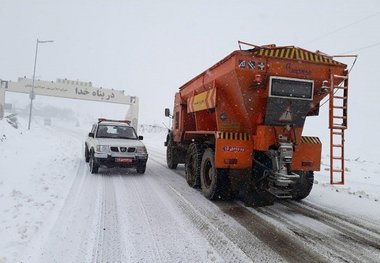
287	115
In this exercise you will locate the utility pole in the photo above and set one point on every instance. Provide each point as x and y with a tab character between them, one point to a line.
32	95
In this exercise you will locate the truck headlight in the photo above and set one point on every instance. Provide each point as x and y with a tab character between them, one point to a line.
102	148
141	149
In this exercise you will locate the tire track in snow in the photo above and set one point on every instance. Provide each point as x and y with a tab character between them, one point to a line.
228	250
89	234
230	247
288	247
109	247
136	235
344	236
309	208
154	228
156	249
343	245
68	225
317	235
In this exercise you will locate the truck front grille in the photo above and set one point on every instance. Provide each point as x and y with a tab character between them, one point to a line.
114	149
123	149
131	149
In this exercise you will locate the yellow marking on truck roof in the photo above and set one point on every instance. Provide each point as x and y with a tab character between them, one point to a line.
287	53
302	56
294	53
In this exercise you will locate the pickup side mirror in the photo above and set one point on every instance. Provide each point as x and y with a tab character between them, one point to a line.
91	134
167	112
141	138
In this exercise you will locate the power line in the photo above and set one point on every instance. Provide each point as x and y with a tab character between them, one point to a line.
342	28
362	48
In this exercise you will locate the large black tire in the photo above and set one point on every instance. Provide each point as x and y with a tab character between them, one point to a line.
140	169
94	167
209	175
304	185
86	154
193	165
171	159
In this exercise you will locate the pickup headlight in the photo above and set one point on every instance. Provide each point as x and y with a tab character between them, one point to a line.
102	148
141	149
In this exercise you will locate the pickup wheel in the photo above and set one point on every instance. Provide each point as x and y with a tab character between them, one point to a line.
86	154
94	167
140	169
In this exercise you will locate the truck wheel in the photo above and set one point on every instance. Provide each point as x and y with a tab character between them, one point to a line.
209	175
94	167
86	154
170	156
304	185
140	169
193	165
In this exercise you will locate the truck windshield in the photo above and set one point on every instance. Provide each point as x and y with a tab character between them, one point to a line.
115	131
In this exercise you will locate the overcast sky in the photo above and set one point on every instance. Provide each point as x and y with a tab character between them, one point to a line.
150	48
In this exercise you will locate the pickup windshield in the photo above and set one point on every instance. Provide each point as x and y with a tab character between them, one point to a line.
116	132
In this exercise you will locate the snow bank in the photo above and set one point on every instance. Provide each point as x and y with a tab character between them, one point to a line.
37	167
362	178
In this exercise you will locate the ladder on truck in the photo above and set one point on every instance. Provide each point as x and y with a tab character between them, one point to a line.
337	125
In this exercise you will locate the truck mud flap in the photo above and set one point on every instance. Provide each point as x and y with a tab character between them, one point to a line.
253	197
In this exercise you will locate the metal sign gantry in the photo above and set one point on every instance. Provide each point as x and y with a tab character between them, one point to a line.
71	89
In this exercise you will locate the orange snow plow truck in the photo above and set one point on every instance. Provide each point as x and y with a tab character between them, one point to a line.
237	126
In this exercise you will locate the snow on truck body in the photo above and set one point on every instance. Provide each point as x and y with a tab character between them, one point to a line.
238	125
113	143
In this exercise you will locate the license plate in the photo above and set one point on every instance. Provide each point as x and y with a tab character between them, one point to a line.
123	160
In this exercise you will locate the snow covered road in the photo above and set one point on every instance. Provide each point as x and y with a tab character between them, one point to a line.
305	232
120	216
55	210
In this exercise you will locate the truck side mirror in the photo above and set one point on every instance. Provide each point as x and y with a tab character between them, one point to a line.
167	112
91	134
141	138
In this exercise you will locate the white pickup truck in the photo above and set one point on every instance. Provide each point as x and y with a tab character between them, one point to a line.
114	143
